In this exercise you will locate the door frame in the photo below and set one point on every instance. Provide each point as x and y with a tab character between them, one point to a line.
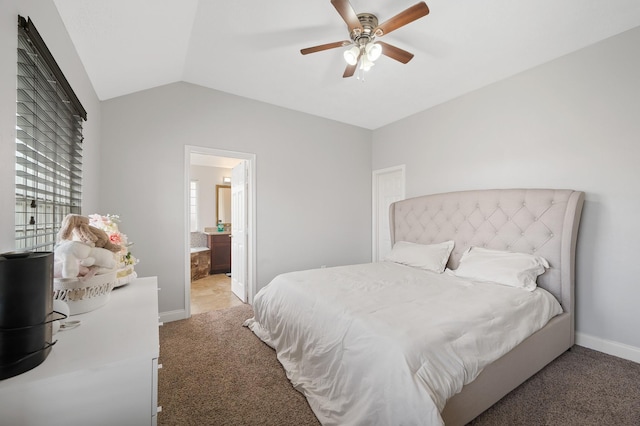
251	219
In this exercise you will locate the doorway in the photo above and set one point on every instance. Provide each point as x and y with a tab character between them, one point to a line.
212	290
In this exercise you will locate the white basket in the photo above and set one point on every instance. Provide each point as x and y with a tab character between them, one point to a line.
84	295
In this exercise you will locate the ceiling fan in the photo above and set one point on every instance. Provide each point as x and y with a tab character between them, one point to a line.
364	31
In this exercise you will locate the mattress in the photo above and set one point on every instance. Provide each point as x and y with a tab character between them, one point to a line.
383	343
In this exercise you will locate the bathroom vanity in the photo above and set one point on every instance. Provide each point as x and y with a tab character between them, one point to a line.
220	246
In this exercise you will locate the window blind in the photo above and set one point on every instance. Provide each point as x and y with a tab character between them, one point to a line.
48	182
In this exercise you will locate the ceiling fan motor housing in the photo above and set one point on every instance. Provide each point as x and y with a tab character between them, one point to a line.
369	22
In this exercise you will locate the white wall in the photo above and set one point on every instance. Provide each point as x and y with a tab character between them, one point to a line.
313	179
46	19
571	123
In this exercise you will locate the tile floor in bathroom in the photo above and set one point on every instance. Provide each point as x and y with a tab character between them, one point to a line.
212	293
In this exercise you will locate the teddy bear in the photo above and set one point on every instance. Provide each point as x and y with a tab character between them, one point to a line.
75	258
76	227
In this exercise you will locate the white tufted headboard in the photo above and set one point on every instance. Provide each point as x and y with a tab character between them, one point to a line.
539	221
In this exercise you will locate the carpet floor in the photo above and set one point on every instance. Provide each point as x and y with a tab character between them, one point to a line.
217	372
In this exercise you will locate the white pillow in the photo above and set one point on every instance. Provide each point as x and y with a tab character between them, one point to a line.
432	257
502	267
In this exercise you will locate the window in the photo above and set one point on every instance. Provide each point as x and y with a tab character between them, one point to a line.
48	144
193	205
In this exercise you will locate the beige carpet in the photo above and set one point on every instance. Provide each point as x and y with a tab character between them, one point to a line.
217	372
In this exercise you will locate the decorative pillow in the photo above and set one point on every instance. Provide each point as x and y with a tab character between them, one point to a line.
432	257
502	267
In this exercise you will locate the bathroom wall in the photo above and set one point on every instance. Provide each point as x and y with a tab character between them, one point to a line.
208	178
198	239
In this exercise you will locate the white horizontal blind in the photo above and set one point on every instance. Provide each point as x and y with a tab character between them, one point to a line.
48	149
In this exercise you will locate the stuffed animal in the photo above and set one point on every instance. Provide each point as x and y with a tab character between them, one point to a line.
77	259
68	255
99	257
76	227
83	271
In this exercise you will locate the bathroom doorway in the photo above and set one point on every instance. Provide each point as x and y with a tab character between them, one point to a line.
212	270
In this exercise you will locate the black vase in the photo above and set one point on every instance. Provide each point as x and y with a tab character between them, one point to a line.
26	299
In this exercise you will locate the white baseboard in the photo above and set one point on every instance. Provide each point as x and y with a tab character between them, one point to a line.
609	347
173	315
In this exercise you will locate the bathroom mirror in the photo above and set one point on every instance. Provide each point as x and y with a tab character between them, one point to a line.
223	203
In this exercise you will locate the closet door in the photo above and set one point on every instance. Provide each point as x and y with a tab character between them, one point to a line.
388	186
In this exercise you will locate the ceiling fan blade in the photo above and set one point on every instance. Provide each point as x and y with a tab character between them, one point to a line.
409	15
322	47
395	52
349	16
349	71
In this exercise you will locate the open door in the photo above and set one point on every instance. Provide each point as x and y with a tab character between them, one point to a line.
239	230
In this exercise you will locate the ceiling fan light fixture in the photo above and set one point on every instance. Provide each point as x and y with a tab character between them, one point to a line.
374	50
351	55
366	63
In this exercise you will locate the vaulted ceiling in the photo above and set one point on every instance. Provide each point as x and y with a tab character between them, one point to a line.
251	48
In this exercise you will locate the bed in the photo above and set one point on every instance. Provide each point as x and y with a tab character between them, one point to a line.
432	335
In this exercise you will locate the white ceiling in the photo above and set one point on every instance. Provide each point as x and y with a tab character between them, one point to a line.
252	48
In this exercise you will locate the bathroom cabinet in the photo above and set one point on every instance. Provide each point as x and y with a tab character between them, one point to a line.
220	246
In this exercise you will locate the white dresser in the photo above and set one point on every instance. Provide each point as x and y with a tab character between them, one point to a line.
104	372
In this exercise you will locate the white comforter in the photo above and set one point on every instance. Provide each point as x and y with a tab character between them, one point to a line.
386	344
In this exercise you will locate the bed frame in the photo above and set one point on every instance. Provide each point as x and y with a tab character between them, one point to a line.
538	221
